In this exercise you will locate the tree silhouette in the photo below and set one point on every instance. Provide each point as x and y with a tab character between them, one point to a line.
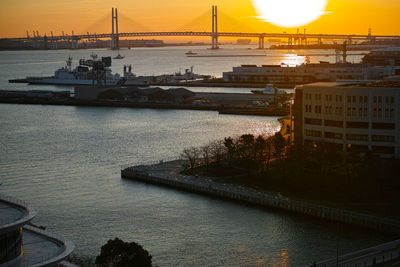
117	253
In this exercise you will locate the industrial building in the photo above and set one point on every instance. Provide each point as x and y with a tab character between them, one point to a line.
308	73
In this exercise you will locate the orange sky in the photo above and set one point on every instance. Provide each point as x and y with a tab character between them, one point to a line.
345	16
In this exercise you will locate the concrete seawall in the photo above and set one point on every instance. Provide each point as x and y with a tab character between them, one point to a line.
168	174
255	111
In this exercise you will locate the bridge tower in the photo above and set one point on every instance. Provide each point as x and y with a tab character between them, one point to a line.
214	33
114	35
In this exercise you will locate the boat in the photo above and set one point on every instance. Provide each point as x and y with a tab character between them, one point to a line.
86	74
269	90
187	75
190	52
118	57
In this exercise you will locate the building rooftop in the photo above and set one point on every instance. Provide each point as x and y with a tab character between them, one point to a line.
42	248
39	247
355	84
14	213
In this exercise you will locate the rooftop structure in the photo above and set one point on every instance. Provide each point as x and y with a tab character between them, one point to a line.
26	245
364	117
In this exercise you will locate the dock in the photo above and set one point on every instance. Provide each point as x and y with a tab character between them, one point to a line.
169	174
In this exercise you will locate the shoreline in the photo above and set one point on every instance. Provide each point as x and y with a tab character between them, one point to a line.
168	174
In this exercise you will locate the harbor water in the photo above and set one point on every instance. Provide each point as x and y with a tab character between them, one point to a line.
66	161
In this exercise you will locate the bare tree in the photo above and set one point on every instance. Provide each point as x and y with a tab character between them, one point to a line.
218	150
206	151
192	155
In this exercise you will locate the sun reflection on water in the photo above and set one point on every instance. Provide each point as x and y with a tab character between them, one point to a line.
242	253
292	60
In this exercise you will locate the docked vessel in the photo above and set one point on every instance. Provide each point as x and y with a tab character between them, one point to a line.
269	90
187	75
119	56
190	52
88	73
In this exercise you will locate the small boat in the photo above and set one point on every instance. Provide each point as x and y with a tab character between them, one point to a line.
119	57
190	52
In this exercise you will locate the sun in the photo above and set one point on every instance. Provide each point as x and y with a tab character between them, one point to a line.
290	13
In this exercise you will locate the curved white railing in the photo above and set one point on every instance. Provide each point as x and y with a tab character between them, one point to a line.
16	221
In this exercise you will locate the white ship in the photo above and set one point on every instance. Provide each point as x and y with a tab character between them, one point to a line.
187	75
85	74
269	90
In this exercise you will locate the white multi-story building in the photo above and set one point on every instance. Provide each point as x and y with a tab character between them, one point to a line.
307	73
349	117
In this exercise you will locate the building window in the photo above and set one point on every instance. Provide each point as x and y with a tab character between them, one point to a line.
333	135
354	99
313	133
375	99
333	123
360	99
365	99
383	149
383	126
357	124
383	138
386	99
392	99
357	148
349	99
312	121
357	137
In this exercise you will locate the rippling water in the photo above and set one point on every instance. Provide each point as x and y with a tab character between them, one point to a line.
66	161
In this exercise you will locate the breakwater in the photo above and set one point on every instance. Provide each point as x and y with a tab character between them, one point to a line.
94	103
168	174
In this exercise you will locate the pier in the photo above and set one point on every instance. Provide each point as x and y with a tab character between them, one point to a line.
169	174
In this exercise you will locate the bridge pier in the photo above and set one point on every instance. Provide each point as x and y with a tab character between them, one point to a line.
214	32
261	42
290	40
114	36
349	40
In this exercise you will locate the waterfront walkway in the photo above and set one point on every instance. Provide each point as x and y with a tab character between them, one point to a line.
168	174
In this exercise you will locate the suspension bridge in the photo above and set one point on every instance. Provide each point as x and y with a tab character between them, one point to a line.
214	34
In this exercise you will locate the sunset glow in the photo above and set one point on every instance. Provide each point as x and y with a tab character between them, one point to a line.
45	16
290	13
